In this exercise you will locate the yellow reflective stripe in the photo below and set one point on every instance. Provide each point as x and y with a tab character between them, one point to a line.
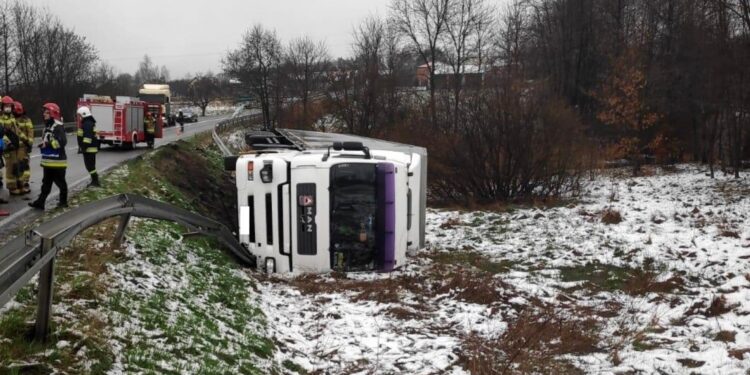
80	132
93	172
86	140
54	163
55	143
91	150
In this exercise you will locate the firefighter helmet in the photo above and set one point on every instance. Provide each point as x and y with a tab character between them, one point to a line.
7	100
84	112
18	108
54	110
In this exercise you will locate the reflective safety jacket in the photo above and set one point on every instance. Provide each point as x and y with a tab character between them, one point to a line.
10	134
25	130
88	137
53	145
149	126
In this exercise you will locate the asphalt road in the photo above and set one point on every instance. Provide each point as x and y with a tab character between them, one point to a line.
77	176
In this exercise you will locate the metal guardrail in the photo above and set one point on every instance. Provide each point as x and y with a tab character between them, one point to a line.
68	126
35	251
222	126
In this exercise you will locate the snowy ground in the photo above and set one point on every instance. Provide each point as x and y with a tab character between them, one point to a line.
236	140
664	290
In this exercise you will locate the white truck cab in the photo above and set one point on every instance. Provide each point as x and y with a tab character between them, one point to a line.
345	207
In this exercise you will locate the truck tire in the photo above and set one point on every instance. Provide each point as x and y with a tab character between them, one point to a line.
130	145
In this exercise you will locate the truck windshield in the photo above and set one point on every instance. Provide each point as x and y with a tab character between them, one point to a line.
353	214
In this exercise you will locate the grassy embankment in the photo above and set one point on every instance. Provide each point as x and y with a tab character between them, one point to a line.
161	303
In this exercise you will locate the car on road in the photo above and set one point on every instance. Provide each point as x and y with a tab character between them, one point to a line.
189	115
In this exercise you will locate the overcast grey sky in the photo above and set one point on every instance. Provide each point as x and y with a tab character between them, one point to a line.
191	36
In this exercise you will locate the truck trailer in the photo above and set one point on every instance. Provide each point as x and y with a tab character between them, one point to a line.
157	93
318	202
119	122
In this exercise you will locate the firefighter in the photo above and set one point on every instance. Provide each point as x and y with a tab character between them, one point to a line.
88	143
149	127
54	161
181	121
26	135
12	141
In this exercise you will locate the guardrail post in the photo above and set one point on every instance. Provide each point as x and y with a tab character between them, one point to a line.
44	308
124	220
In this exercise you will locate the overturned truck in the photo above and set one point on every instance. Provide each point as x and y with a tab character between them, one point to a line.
317	202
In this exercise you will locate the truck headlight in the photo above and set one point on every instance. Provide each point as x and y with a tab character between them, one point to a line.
270	265
266	174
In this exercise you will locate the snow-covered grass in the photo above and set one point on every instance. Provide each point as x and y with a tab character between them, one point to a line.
236	140
664	289
328	123
177	305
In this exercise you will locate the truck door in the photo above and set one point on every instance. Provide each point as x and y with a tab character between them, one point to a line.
309	205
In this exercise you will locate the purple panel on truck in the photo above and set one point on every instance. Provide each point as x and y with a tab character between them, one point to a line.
386	236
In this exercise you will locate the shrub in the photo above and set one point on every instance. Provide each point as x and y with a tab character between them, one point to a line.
611	216
510	141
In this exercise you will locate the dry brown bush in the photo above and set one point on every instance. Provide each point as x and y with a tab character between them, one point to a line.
726	336
611	216
293	117
739	353
471	286
451	223
383	291
531	344
718	307
512	141
644	282
402	313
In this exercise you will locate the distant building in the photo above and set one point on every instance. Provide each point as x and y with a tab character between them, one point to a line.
472	76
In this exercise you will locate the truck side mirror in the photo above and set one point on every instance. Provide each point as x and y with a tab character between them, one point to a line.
230	163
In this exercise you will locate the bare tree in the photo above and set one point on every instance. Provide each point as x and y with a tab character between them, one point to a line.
306	62
7	43
462	32
355	84
256	63
203	89
363	92
510	37
423	24
52	63
148	72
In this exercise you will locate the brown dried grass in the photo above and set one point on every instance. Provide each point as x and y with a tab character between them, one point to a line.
611	216
531	344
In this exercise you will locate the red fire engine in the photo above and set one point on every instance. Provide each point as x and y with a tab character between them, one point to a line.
120	122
